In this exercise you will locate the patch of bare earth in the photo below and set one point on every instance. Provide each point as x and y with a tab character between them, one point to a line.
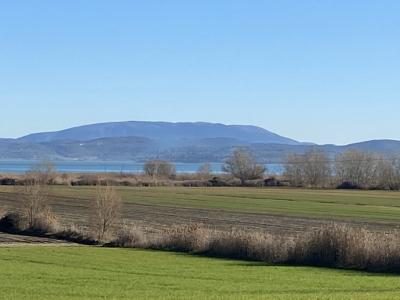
12	240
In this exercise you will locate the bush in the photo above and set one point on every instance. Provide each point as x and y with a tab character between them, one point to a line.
44	223
75	234
129	236
196	183
271	182
217	181
10	222
348	186
17	223
8	181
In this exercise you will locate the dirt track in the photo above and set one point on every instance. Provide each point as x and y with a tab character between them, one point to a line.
22	240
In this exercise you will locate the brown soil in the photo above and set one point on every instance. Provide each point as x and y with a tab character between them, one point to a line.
22	240
156	217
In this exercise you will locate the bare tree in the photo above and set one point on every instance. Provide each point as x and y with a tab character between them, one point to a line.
34	202
159	168
317	169
311	169
106	211
388	173
35	208
294	170
204	171
243	166
357	168
43	172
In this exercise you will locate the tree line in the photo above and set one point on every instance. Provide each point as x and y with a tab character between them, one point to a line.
351	169
314	168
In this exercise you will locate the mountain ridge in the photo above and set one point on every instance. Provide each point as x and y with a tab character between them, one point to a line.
179	142
166	132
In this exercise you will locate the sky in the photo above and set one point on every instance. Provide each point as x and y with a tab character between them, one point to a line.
317	71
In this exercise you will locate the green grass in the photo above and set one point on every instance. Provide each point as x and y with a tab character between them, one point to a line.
37	272
363	205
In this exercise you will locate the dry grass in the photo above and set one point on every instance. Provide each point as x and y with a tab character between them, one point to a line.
75	234
130	236
335	245
15	223
348	247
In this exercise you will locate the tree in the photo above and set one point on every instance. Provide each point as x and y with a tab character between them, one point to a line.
242	165
294	170
317	169
159	168
34	203
309	169
106	211
35	208
204	171
43	172
357	168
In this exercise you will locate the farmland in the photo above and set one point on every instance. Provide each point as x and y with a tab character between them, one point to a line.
101	273
283	210
81	272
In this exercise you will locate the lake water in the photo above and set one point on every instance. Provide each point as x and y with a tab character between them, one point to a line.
111	167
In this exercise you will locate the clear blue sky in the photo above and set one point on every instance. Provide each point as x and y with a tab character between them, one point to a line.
321	71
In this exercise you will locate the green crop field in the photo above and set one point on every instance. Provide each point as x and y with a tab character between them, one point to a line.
369	206
38	272
366	205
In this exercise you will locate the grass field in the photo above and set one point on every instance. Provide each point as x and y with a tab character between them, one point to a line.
34	272
371	205
58	272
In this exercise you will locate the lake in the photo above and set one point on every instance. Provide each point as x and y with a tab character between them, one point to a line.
19	166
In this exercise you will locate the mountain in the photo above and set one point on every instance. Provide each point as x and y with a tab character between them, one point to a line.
163	132
177	142
123	148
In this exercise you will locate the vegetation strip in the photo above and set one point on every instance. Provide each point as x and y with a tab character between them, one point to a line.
68	273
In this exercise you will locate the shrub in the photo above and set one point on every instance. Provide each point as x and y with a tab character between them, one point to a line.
75	234
217	181
348	186
129	236
44	223
8	181
10	222
105	211
184	238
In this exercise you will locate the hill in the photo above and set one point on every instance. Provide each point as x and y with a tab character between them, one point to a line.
163	132
177	142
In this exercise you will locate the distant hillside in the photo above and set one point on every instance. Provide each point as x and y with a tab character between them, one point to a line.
163	132
177	142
